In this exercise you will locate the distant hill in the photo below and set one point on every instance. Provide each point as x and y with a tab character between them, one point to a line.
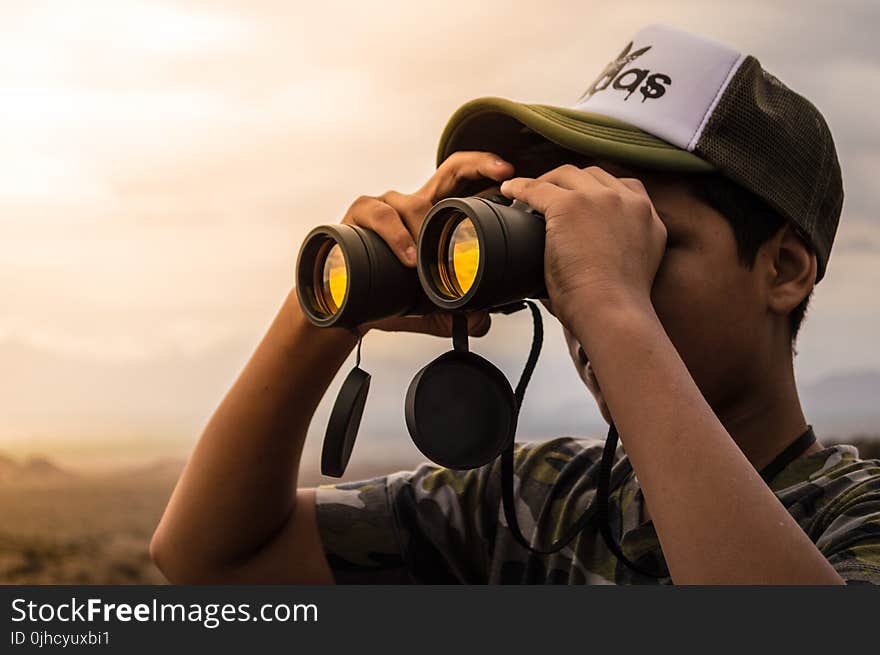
157	468
868	445
32	469
844	404
847	390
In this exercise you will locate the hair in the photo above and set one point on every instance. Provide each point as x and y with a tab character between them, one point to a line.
753	223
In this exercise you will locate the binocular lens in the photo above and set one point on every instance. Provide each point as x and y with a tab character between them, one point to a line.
334	279
347	276
459	255
476	253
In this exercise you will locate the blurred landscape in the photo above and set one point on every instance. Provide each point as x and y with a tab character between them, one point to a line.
61	526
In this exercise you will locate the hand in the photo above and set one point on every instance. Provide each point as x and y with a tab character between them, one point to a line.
604	238
438	324
398	217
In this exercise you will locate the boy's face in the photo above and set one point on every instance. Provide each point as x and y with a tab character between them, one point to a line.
709	303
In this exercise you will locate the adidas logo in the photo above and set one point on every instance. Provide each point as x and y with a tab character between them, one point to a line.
650	85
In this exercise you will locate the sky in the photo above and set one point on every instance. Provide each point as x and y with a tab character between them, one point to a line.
162	161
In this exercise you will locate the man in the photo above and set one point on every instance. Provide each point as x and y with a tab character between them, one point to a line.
680	269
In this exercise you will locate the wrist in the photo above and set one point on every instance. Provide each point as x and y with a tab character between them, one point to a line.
597	312
317	339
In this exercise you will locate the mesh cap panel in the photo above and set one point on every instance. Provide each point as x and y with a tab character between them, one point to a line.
774	142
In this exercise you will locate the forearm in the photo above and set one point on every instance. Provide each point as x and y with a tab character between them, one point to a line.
716	519
239	486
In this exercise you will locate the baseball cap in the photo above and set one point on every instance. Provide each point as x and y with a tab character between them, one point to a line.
676	101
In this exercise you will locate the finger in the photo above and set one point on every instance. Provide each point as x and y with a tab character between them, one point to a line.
479	323
463	166
575	351
380	217
603	177
573	178
418	324
638	187
633	184
411	208
538	194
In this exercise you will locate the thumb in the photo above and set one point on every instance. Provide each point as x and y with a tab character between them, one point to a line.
538	194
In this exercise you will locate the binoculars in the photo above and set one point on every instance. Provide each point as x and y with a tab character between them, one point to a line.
473	253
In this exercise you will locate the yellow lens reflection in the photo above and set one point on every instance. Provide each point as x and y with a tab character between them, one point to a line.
463	256
335	279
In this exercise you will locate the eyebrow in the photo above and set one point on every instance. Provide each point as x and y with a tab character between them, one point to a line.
620	170
671	219
679	226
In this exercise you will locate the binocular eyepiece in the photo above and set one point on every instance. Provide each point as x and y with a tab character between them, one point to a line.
472	253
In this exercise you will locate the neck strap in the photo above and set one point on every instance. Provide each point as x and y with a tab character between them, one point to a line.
794	450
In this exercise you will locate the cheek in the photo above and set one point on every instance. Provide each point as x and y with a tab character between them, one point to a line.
707	304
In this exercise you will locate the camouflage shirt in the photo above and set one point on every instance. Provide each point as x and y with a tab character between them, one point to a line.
436	525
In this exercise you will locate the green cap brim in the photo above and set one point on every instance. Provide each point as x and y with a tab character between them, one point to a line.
504	127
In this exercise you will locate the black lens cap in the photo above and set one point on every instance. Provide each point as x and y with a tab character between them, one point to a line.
460	410
345	419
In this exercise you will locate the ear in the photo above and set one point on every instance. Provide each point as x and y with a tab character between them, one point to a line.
791	270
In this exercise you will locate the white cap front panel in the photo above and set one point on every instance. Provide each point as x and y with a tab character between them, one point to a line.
665	82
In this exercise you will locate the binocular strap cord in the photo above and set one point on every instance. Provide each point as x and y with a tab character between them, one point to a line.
599	509
459	332
603	491
507	493
357	357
